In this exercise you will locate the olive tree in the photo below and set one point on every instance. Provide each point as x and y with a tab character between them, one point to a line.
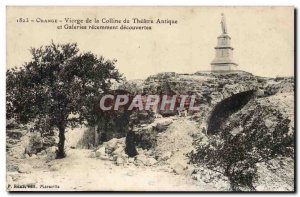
58	87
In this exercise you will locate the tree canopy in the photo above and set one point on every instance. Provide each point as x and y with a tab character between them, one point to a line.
58	88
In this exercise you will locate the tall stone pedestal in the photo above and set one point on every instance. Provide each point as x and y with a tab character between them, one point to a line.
223	61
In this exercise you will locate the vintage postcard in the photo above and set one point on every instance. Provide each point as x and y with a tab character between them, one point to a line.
150	99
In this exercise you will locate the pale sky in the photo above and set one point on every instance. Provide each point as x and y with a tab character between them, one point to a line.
262	37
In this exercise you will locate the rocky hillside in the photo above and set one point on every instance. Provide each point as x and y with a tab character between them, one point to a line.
241	139
253	145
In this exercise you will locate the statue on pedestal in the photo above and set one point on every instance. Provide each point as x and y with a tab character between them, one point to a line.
223	61
223	24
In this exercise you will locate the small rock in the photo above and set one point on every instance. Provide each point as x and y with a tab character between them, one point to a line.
196	177
115	157
260	188
33	156
124	155
149	152
51	149
92	155
43	152
138	163
104	157
165	156
55	168
141	159
27	156
190	171
130	173
269	123
131	159
51	156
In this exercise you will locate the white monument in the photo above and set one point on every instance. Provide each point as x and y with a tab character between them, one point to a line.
224	52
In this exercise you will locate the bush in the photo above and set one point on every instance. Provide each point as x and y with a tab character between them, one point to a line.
237	155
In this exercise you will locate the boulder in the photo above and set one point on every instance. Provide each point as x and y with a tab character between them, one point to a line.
150	161
141	159
24	168
119	161
163	124
178	168
26	156
113	144
35	144
119	151
100	151
51	153
260	93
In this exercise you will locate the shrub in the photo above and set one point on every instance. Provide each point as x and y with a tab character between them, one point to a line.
237	155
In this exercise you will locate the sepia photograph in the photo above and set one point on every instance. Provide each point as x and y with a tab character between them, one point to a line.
150	99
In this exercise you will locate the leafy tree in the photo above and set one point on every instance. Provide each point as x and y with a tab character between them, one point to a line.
58	88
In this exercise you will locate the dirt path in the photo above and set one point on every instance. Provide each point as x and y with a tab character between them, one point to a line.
78	172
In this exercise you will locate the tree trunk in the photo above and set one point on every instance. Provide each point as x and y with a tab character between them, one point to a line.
61	144
130	148
96	143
